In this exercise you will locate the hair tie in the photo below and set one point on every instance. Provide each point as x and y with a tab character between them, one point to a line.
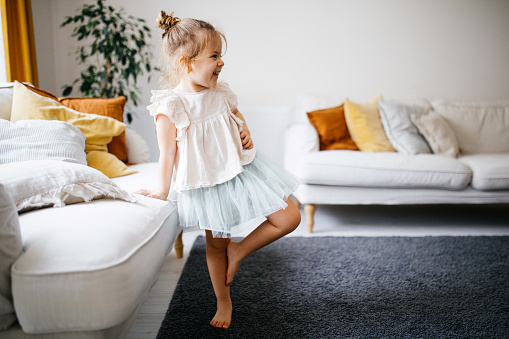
166	22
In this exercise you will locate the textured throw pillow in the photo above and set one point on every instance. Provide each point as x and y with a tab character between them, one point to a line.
331	127
41	140
41	183
113	108
438	133
11	248
98	130
401	132
363	121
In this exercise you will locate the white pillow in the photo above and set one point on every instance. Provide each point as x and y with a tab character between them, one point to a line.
11	248
6	93
138	151
41	183
401	132
480	127
437	132
41	140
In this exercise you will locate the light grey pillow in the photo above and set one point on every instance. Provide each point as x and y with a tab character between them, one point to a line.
41	140
401	132
11	248
42	183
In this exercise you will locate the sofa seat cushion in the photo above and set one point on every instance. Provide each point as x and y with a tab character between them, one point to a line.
87	266
489	171
385	169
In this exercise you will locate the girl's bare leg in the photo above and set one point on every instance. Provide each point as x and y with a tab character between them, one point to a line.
276	226
217	263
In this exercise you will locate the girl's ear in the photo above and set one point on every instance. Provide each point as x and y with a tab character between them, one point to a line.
185	64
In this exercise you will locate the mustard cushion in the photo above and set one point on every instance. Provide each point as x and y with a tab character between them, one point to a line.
99	130
365	127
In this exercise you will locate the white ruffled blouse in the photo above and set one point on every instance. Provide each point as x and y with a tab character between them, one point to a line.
208	135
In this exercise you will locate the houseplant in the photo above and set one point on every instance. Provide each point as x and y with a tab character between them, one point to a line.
113	50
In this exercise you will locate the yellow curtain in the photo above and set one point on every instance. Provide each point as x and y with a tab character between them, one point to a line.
19	43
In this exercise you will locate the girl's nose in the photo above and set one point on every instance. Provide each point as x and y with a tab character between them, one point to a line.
220	62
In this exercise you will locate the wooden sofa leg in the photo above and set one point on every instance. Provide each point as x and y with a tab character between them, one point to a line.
310	209
179	246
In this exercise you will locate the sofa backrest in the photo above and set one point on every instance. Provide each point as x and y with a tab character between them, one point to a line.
6	92
479	127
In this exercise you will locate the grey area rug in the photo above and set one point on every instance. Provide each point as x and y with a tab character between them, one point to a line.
353	287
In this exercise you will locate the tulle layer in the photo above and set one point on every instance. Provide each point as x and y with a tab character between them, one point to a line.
258	191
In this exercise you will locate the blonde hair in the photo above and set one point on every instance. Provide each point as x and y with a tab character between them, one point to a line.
186	38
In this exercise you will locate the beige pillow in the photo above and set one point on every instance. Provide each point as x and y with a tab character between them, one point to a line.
365	127
437	133
99	130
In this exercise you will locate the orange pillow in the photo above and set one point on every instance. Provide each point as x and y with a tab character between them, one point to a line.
112	107
331	127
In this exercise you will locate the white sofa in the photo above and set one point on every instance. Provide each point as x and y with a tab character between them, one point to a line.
82	270
478	174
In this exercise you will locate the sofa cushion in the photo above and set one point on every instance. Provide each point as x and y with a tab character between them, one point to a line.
489	171
385	169
480	127
41	140
366	130
10	249
331	127
6	90
401	132
438	133
110	107
42	183
88	266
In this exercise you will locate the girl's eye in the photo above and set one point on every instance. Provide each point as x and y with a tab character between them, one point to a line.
214	56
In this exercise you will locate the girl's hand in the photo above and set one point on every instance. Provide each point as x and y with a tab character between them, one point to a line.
245	137
152	194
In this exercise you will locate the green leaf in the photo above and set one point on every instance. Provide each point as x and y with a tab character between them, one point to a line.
67	90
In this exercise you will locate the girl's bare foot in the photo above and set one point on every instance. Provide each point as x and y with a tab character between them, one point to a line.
233	261
223	317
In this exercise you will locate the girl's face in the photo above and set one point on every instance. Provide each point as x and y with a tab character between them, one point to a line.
206	68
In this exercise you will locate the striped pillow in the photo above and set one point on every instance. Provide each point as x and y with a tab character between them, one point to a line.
41	140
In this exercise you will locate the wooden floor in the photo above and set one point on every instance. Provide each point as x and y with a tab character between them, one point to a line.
342	221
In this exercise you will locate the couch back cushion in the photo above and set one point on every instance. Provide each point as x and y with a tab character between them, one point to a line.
480	127
6	90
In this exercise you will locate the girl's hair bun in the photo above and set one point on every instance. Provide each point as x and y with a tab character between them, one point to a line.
166	22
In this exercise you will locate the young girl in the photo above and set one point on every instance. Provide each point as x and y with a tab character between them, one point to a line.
208	159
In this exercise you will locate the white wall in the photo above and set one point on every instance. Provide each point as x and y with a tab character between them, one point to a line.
279	49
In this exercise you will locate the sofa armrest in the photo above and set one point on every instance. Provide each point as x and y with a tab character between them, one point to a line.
300	139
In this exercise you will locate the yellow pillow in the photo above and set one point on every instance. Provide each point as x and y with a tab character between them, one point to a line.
99	130
365	127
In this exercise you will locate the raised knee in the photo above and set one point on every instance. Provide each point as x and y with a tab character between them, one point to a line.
293	221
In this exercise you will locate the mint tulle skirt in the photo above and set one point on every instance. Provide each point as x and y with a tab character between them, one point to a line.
258	191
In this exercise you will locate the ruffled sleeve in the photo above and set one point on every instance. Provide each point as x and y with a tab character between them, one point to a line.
229	95
168	103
